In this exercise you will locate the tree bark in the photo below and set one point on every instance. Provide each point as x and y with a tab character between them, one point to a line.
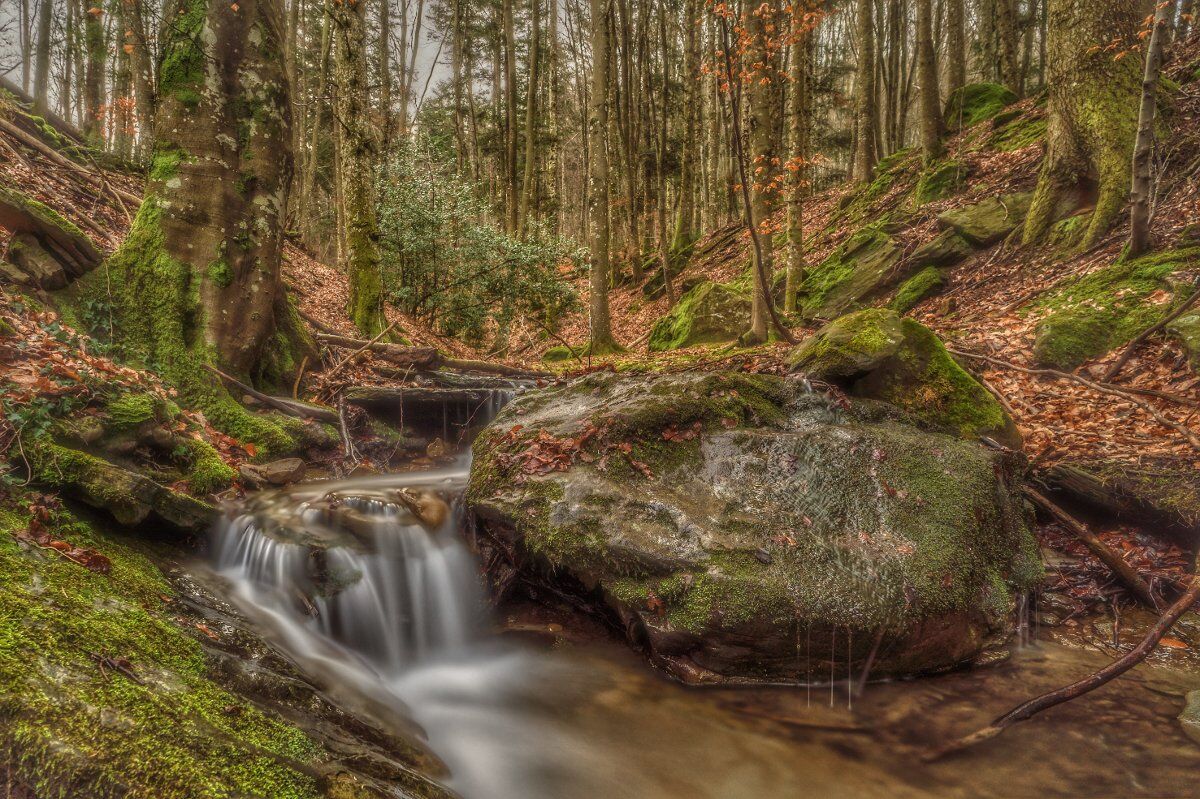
600	327
1008	37
96	50
931	103
41	67
385	69
1142	179
357	167
685	221
140	64
196	282
1092	113
865	115
800	111
531	109
956	46
512	191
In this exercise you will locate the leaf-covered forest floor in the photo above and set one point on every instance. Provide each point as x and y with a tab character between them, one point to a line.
991	305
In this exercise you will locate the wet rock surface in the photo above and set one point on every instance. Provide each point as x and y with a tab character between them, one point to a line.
742	528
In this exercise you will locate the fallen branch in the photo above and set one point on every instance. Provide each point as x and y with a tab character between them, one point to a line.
1118	391
1087	684
426	357
1130	348
1123	571
299	410
337	367
63	161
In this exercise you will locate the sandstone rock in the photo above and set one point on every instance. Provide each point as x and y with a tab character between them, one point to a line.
989	221
711	313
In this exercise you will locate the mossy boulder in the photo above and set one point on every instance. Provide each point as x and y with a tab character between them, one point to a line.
987	222
711	313
1186	330
876	354
938	181
125	685
926	283
866	265
1017	133
558	354
946	249
722	517
975	103
1085	317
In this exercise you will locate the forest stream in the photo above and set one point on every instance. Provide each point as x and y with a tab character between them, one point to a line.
400	624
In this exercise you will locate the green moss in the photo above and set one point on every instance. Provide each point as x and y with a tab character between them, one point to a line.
1017	134
159	321
710	313
127	411
182	68
921	285
40	210
1089	316
71	729
939	181
558	354
207	470
220	273
975	103
849	346
852	272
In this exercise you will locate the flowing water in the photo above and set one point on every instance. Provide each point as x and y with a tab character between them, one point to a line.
388	610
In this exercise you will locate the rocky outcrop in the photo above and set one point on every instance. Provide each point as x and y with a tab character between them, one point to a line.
975	103
868	263
722	518
985	223
1186	330
876	354
46	251
711	313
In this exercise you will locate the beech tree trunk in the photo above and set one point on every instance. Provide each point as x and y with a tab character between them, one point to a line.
197	280
764	96
356	171
531	109
96	51
685	222
931	103
1092	113
41	66
600	326
1143	148
956	46
865	115
801	75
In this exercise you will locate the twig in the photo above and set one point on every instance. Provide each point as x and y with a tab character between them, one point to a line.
1123	571
338	366
299	377
1079	688
1104	388
1130	348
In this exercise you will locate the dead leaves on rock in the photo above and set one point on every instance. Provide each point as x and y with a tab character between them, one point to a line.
543	453
37	533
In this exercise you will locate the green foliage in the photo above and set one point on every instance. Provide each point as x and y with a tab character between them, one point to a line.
1017	134
445	261
1091	315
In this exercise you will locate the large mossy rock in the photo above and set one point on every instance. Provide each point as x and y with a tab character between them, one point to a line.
876	354
1186	330
975	103
47	251
711	313
987	222
723	517
868	263
1086	317
946	249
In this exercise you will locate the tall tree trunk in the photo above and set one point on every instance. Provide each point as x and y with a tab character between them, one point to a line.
357	167
385	70
41	68
865	115
600	328
1139	228
122	91
66	84
956	46
764	110
25	45
308	181
931	104
1092	112
554	79
685	221
1008	36
801	75
197	280
456	77
511	186
528	181
96	50
1186	21
140	64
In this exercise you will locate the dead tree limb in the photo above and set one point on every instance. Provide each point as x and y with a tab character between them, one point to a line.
426	357
1123	571
1087	684
300	410
1188	434
1132	346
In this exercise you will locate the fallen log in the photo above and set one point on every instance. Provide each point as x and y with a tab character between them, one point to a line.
425	357
1080	687
1167	499
300	410
1122	570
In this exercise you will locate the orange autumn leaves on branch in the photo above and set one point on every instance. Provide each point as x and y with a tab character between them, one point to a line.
759	59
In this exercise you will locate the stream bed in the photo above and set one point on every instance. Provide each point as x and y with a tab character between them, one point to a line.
521	703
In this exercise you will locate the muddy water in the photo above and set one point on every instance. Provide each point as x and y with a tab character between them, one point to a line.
554	714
